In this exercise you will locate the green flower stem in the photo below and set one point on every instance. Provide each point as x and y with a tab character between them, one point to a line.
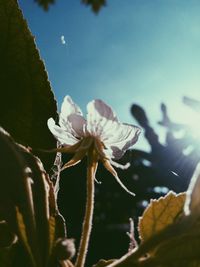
87	224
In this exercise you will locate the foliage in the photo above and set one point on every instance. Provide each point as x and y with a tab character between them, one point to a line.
26	98
28	210
172	242
159	214
45	3
96	5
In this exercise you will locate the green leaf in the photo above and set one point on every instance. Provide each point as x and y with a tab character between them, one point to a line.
26	98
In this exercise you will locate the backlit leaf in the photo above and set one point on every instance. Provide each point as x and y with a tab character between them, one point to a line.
160	213
192	203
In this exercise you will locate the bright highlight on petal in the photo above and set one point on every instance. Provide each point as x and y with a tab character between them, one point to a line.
71	118
101	133
122	139
62	135
68	107
100	118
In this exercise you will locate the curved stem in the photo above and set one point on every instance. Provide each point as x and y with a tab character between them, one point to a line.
87	224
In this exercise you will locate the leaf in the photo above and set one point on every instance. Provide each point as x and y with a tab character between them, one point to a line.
160	213
66	263
45	3
181	250
5	258
171	244
23	235
192	203
26	98
96	5
176	246
7	238
52	227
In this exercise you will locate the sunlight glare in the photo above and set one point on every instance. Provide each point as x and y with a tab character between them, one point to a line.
190	118
193	121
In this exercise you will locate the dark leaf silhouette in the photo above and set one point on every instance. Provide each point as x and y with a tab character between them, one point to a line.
45	3
30	223
26	98
95	4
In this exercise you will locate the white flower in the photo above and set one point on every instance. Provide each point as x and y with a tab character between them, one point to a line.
101	133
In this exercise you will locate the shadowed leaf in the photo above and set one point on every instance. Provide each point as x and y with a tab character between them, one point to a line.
29	217
168	242
23	234
26	98
52	227
7	238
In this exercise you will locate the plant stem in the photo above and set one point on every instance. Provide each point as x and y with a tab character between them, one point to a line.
87	224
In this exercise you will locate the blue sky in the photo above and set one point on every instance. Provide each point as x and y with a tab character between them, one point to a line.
133	51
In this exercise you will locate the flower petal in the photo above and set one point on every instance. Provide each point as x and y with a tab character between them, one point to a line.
120	166
69	107
124	136
100	118
77	125
71	118
65	137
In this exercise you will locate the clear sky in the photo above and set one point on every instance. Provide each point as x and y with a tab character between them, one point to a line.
133	51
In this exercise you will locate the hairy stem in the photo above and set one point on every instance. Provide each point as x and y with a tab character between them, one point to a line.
87	224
